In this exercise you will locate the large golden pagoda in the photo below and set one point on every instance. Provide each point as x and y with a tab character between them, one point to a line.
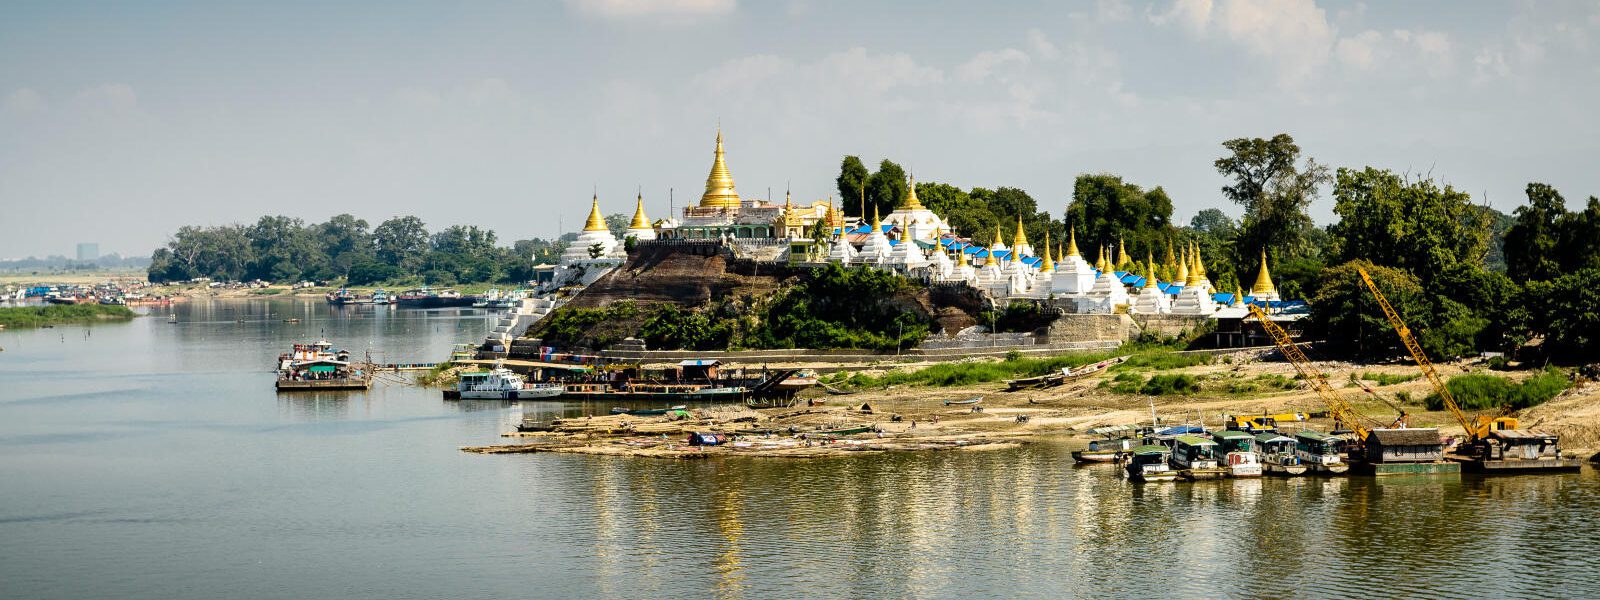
912	203
719	185
1263	286
640	221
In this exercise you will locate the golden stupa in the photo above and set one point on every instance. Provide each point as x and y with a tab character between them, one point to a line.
719	185
1263	285
595	222
639	220
1048	266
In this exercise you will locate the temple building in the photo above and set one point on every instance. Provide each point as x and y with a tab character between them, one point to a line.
595	243
912	213
640	229
722	213
1263	288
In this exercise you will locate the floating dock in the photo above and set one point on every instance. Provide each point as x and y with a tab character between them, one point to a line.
1517	465
289	385
1409	468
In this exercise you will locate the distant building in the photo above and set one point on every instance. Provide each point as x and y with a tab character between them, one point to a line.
88	251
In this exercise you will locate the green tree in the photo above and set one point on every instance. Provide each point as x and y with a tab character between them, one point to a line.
851	181
1413	225
1531	240
1344	313
401	241
283	250
1566	312
885	188
1107	210
346	241
1273	190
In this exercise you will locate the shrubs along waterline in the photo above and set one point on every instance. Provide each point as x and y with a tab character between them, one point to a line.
1016	366
53	314
1476	391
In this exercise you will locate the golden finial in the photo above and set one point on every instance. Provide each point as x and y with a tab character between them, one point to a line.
595	222
990	261
1172	262
996	236
1058	251
1263	284
911	195
876	226
1048	266
1199	265
1122	252
1021	239
1183	268
719	184
961	257
639	220
1150	271
1072	244
1238	295
833	218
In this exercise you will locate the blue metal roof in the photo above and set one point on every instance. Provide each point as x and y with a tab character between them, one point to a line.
1222	298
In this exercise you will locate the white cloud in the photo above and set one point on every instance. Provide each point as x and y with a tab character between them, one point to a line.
1041	46
1359	51
1190	15
1401	51
24	100
108	98
671	10
979	67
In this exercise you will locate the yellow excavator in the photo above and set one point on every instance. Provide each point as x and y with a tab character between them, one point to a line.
1493	443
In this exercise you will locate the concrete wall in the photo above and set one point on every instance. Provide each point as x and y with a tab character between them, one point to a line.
1071	328
1168	325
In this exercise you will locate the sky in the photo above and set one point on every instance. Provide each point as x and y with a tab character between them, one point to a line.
122	121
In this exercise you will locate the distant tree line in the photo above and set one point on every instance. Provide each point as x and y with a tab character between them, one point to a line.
399	250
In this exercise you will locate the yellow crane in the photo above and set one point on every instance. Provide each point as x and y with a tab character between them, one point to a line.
1344	415
1477	427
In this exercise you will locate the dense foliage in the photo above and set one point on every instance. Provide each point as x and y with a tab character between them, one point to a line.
50	314
1490	392
284	249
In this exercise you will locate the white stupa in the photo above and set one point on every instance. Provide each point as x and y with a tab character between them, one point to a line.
877	248
594	232
640	229
1263	288
1073	275
912	212
1150	300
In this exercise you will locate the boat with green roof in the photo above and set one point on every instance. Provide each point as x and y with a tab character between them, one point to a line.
1237	452
1195	458
1320	452
1148	463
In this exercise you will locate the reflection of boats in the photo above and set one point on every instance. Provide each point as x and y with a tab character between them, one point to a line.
1149	463
973	400
318	366
636	412
1277	454
500	384
1238	453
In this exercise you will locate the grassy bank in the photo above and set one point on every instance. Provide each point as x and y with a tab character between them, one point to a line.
1482	392
1014	367
52	314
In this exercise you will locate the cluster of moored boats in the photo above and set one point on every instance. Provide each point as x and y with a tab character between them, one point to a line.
1193	453
425	297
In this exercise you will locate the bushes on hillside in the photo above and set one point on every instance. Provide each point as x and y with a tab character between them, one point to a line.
1489	392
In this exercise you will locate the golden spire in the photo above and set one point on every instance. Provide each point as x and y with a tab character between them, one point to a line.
876	226
719	185
1199	265
1048	266
1172	262
639	220
1021	238
1059	255
1183	268
595	222
1263	284
833	218
1238	295
1072	244
990	261
1150	271
1122	252
790	218
961	257
911	196
1194	267
997	235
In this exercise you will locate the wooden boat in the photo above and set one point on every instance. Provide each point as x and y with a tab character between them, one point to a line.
1320	452
640	412
841	432
1195	458
973	400
1149	464
1277	455
1104	451
1238	453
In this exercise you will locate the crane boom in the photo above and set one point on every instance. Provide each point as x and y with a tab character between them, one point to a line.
1417	354
1342	412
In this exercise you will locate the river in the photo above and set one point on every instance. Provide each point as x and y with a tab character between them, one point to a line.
151	459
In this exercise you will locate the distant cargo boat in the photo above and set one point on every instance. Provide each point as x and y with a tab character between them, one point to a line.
427	298
318	366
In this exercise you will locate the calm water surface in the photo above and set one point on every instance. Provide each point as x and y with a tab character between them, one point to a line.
154	460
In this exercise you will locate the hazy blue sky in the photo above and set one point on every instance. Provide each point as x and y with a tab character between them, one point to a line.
121	121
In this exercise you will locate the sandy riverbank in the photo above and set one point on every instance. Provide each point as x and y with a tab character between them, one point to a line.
917	418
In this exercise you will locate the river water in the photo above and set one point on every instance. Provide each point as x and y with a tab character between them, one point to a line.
153	460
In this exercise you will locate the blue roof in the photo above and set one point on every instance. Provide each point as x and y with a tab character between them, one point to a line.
699	362
1181	429
1127	277
1169	288
1222	298
893	243
1032	261
972	249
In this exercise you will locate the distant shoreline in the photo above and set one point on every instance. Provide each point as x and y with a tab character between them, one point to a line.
59	314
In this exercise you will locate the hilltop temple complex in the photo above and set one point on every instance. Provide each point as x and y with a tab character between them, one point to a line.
918	243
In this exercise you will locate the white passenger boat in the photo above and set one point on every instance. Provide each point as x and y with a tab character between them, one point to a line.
1320	451
1238	453
501	384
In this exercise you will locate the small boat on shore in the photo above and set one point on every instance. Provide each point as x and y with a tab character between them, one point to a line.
968	401
642	412
1148	463
841	432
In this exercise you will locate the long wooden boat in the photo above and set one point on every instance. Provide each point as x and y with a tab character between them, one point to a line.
1104	451
650	412
973	400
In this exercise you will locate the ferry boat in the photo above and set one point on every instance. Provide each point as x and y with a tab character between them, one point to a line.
381	297
318	366
1278	456
1238	450
1320	452
1195	458
1149	463
500	384
493	295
